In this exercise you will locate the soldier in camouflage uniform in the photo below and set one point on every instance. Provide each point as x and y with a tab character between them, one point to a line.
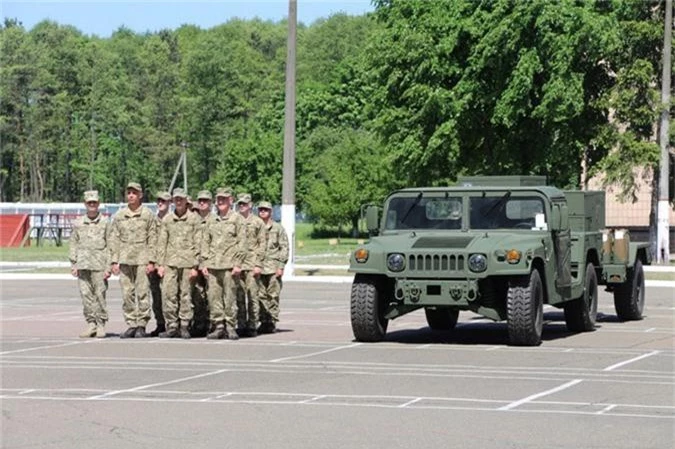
134	238
200	326
90	260
178	259
222	254
249	280
274	260
163	203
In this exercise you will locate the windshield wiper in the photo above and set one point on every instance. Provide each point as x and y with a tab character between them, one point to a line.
412	206
498	204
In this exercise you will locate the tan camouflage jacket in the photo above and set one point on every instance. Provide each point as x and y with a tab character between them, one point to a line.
276	248
178	241
201	227
255	242
134	236
224	242
89	243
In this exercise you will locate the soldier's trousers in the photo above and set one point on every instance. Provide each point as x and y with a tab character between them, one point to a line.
200	320
135	295
93	287
270	289
222	303
176	300
156	290
248	307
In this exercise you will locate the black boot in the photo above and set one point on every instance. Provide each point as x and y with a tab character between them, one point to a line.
217	333
171	332
140	332
129	333
158	330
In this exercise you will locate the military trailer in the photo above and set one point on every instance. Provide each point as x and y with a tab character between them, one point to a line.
501	247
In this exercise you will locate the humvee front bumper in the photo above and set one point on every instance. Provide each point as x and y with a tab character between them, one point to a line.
435	292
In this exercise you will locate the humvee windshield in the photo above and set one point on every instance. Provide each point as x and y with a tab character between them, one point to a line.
420	212
504	212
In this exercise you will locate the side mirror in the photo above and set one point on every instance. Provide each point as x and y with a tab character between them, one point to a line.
373	219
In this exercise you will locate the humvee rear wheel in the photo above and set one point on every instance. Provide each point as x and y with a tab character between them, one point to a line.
367	309
581	313
441	319
525	310
629	297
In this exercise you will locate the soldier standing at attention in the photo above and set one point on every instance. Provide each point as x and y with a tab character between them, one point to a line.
90	259
163	203
249	280
222	254
274	260
134	238
178	259
200	326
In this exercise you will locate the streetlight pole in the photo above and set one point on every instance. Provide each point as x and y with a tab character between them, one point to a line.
288	183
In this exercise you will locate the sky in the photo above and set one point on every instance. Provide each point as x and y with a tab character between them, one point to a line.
103	17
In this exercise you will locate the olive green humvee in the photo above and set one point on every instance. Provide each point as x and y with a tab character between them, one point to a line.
501	247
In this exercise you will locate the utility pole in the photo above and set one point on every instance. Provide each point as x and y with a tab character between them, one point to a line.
663	226
288	183
182	160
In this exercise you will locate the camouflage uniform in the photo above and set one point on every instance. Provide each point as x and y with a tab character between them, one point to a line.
90	256
223	247
200	287
177	254
134	237
276	256
156	281
247	288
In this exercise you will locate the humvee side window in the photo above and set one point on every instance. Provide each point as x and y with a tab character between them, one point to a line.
505	213
428	213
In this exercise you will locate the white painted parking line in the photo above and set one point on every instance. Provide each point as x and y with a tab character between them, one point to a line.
283	359
42	316
606	409
634	359
410	403
37	348
531	398
158	384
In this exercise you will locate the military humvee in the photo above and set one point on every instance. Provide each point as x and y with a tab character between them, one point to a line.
501	247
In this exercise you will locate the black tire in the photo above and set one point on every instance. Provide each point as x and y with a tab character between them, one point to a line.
629	297
367	311
580	314
525	310
441	319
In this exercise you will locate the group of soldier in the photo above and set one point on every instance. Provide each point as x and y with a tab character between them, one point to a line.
203	274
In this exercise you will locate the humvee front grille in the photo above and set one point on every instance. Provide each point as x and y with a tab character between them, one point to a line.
435	262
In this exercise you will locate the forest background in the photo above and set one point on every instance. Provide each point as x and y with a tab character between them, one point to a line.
415	93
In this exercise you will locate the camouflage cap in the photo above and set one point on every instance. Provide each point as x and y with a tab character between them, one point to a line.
264	205
224	192
91	195
244	198
135	186
179	193
166	196
204	195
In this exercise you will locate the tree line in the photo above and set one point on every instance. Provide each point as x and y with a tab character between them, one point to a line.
415	93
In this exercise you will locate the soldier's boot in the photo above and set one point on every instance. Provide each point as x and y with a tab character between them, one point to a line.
100	330
129	333
232	334
140	332
267	328
184	331
171	332
89	332
250	332
217	333
158	330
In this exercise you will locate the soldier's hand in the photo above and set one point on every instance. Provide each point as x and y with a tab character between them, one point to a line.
256	272
193	274
74	271
160	272
149	268
115	269
279	273
205	272
106	275
236	271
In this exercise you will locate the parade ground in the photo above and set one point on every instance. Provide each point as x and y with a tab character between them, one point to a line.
312	386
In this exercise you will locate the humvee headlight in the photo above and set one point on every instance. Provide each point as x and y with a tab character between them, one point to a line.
513	256
395	262
477	263
361	255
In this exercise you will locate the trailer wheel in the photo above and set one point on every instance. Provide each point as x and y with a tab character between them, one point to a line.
441	319
367	310
525	310
580	314
629	297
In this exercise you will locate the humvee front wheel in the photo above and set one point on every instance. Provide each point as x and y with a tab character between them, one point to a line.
581	313
525	310
629	297
367	309
441	319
